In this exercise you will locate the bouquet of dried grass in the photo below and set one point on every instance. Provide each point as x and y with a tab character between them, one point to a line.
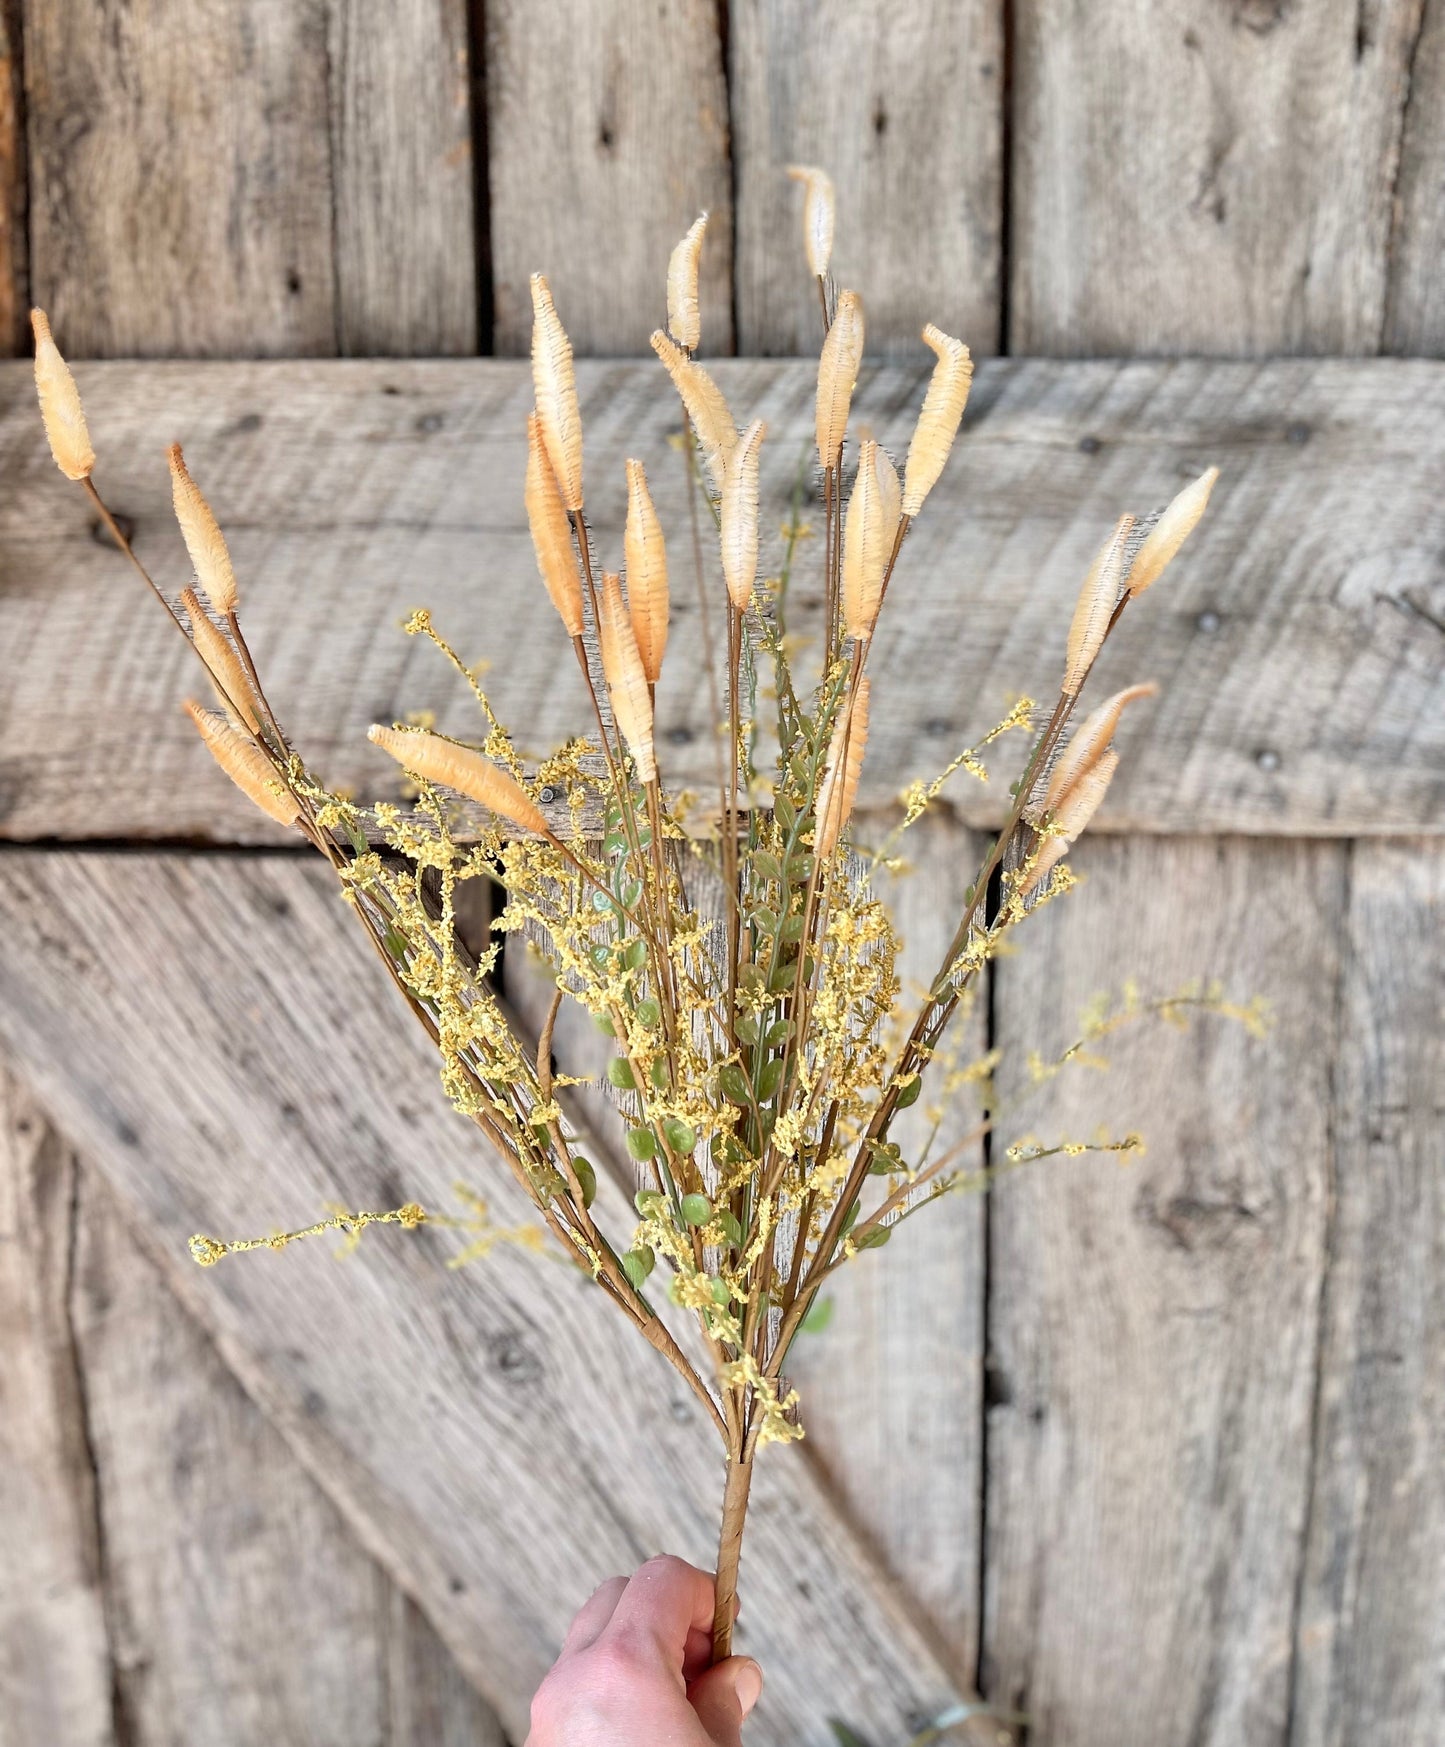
737	954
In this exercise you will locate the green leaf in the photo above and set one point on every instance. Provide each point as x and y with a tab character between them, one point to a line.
696	1209
770	1078
649	1012
681	1136
604	1024
747	1028
634	955
845	1736
647	1201
820	1314
875	1240
587	1179
908	1094
767	865
732	1231
851	1219
659	1074
642	1144
793	930
733	1083
638	1264
619	1071
784	811
720	1293
778	1033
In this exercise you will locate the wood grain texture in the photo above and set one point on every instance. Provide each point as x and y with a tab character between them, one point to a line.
607	131
55	1669
242	1095
1216	180
1372	1611
14	184
406	278
893	1386
903	106
181	178
1153	1325
1298	639
1415	301
242	1611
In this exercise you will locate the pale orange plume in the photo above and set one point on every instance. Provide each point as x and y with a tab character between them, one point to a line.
60	408
646	555
818	207
626	680
705	405
551	531
1097	600
464	769
1169	533
868	533
229	677
555	385
838	367
1074	812
204	540
684	317
839	787
246	765
939	419
1091	742
739	532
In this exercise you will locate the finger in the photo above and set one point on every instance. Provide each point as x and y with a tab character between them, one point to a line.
697	1657
723	1697
593	1615
665	1601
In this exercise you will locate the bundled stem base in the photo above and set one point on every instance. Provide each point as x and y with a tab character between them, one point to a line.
729	1552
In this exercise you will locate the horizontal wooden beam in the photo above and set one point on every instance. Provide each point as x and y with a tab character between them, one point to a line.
1299	642
496	1435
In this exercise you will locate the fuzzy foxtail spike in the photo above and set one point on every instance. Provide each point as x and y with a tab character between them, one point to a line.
839	787
818	211
1169	533
464	769
210	557
555	383
705	405
939	419
551	531
740	516
60	406
1074	812
246	765
646	555
232	683
684	314
626	677
1097	600
868	535
1091	742
838	366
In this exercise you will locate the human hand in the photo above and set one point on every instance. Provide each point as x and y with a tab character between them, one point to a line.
634	1669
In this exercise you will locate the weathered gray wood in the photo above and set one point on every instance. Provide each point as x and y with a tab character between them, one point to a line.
55	1670
1216	180
1415	300
243	1612
274	179
1298	639
14	184
406	281
240	1092
1372	1613
607	134
904	108
1153	1325
180	176
893	1386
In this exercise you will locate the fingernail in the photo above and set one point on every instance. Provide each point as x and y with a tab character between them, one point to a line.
748	1685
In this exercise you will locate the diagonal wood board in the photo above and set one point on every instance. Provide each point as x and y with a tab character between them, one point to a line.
1300	641
242	1053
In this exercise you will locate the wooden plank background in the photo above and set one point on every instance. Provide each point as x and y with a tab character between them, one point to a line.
1148	1452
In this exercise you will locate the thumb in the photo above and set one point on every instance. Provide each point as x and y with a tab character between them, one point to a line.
724	1695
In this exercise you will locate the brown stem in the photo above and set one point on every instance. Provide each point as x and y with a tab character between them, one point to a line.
729	1552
